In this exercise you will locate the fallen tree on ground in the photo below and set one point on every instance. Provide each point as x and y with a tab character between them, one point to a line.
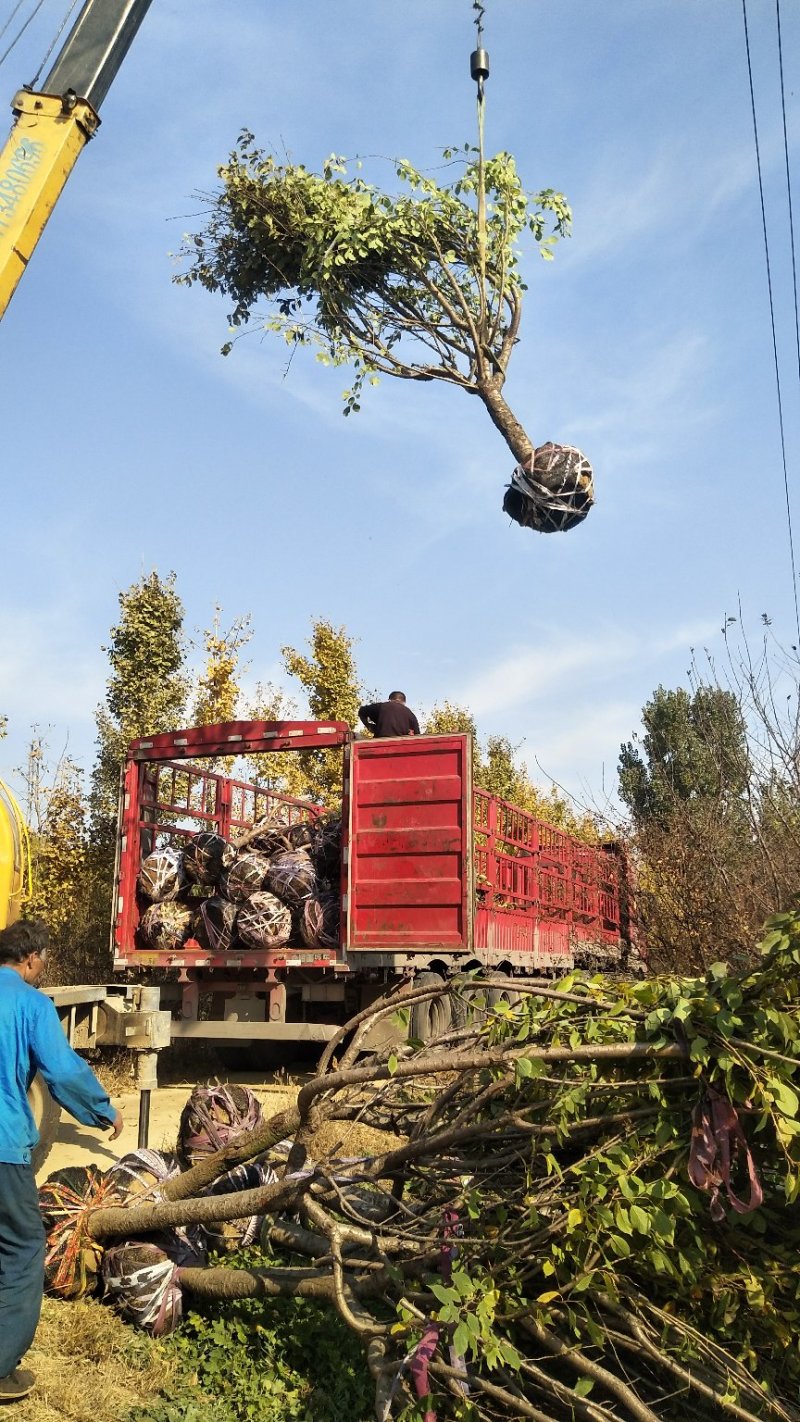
589	1210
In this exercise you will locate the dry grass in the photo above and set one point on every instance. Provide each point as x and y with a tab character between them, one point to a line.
90	1367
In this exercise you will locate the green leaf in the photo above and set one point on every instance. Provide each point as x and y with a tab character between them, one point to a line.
583	1387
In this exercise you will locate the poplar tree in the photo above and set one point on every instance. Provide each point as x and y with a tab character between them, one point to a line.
218	688
333	691
146	689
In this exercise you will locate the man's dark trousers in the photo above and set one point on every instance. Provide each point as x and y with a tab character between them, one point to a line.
21	1263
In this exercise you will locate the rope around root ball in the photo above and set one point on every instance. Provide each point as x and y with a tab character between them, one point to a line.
213	1117
73	1258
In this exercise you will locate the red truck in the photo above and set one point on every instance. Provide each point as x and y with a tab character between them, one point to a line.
437	877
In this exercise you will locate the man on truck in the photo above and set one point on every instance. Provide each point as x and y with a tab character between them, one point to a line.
389	718
31	1039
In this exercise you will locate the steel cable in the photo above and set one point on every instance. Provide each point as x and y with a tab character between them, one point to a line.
53	43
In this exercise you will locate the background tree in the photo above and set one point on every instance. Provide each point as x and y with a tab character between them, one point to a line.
279	770
57	816
218	688
713	789
497	769
146	689
333	691
694	747
422	285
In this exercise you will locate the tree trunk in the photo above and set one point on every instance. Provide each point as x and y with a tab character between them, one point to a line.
116	1220
222	1283
277	1128
504	419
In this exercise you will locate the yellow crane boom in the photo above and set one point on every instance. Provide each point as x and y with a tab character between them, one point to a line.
52	127
15	859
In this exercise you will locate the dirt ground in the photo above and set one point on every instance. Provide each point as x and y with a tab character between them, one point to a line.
276	1091
82	1145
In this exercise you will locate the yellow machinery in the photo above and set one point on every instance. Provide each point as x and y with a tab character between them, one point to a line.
15	861
52	127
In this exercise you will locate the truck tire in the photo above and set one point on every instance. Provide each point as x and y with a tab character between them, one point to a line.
46	1114
430	1019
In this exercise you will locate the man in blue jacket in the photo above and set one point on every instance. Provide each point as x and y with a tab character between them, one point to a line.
31	1039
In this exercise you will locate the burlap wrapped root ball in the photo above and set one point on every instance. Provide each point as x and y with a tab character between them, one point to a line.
264	922
140	1174
205	856
72	1257
166	926
226	1236
553	491
246	876
326	851
142	1280
162	876
302	834
213	1117
319	922
292	877
215	924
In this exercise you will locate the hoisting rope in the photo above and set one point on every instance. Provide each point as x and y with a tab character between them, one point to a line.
479	70
54	42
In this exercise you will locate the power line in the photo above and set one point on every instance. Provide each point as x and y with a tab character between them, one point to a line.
17	7
772	318
20	32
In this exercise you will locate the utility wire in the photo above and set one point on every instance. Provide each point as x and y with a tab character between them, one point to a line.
772	318
56	37
34	12
14	11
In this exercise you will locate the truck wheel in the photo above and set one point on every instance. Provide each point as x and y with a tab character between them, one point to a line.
46	1114
430	1019
497	996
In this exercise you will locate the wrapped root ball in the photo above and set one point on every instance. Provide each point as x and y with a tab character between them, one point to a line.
292	876
166	926
319	922
264	922
162	875
301	835
205	856
72	1258
553	492
246	876
140	1174
141	1280
225	1236
327	848
271	840
213	1117
215	924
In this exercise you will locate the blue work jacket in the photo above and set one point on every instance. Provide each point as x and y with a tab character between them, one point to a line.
32	1039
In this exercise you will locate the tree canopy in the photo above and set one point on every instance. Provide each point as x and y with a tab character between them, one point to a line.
424	285
694	747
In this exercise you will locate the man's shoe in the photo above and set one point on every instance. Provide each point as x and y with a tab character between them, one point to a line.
16	1385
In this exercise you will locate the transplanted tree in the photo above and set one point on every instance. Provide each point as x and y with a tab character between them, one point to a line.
423	285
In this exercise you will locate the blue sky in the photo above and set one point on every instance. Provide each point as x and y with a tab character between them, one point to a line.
130	443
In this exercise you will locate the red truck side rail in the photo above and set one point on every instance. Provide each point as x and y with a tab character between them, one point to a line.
432	868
